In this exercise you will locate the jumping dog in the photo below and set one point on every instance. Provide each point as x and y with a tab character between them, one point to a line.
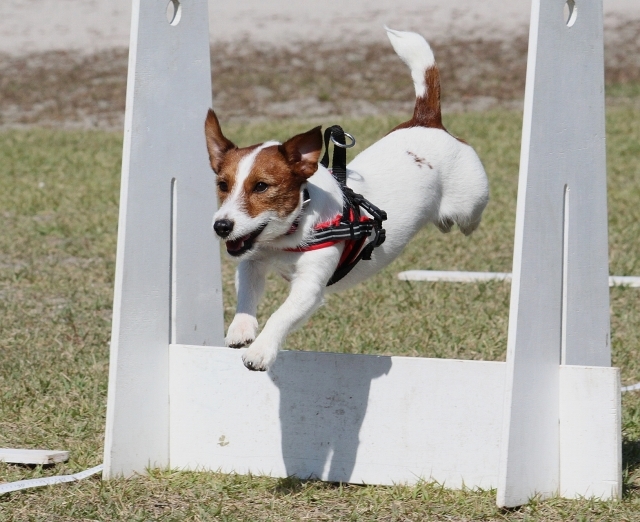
274	197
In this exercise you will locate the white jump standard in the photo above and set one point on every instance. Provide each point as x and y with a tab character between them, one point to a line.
545	422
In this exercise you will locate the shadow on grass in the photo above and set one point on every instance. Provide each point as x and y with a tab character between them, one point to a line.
289	485
292	485
630	466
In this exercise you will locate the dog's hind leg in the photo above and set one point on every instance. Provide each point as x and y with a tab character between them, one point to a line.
466	224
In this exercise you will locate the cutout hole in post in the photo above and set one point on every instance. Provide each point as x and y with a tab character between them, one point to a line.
570	12
565	275
172	260
174	12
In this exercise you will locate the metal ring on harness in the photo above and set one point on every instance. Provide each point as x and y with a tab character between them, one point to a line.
344	145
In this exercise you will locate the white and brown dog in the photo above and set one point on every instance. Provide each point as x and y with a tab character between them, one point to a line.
418	173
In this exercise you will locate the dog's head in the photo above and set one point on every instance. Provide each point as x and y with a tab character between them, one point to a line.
259	187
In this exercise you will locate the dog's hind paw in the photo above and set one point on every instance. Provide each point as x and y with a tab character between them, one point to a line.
468	228
242	331
445	225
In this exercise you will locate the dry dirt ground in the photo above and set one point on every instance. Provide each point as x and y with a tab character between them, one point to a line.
250	82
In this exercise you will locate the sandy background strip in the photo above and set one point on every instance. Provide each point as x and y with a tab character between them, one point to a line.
28	26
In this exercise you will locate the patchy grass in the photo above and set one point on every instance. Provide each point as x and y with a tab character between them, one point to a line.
58	209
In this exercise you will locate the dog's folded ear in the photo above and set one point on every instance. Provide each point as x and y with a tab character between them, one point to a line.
303	151
217	144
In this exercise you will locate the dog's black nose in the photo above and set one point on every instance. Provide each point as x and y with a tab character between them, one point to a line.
223	227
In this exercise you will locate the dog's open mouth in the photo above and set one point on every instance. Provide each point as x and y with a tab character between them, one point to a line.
239	246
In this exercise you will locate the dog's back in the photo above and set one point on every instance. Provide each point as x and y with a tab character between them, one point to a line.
419	173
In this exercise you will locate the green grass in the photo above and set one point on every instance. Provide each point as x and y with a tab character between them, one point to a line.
623	90
58	210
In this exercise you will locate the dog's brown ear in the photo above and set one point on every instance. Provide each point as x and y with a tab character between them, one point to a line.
302	152
217	144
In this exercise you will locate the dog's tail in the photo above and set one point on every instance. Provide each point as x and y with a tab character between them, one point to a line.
417	54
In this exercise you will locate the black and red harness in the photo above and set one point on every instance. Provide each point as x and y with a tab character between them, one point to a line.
352	227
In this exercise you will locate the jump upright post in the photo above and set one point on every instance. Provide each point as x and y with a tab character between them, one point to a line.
559	314
545	422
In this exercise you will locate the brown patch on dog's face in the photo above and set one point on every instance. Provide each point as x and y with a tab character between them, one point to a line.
278	173
271	184
228	170
275	175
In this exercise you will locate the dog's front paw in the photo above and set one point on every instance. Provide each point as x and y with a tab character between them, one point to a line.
260	356
242	331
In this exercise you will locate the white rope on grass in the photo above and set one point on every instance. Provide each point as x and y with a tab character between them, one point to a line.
48	481
475	277
453	277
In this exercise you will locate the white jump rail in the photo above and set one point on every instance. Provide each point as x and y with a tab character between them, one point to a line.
545	422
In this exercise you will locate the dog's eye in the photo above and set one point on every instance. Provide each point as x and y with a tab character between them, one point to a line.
261	186
222	185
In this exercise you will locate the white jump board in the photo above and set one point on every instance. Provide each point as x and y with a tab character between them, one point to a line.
362	418
32	456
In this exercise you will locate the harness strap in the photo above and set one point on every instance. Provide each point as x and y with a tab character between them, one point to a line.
305	201
339	163
350	227
332	232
